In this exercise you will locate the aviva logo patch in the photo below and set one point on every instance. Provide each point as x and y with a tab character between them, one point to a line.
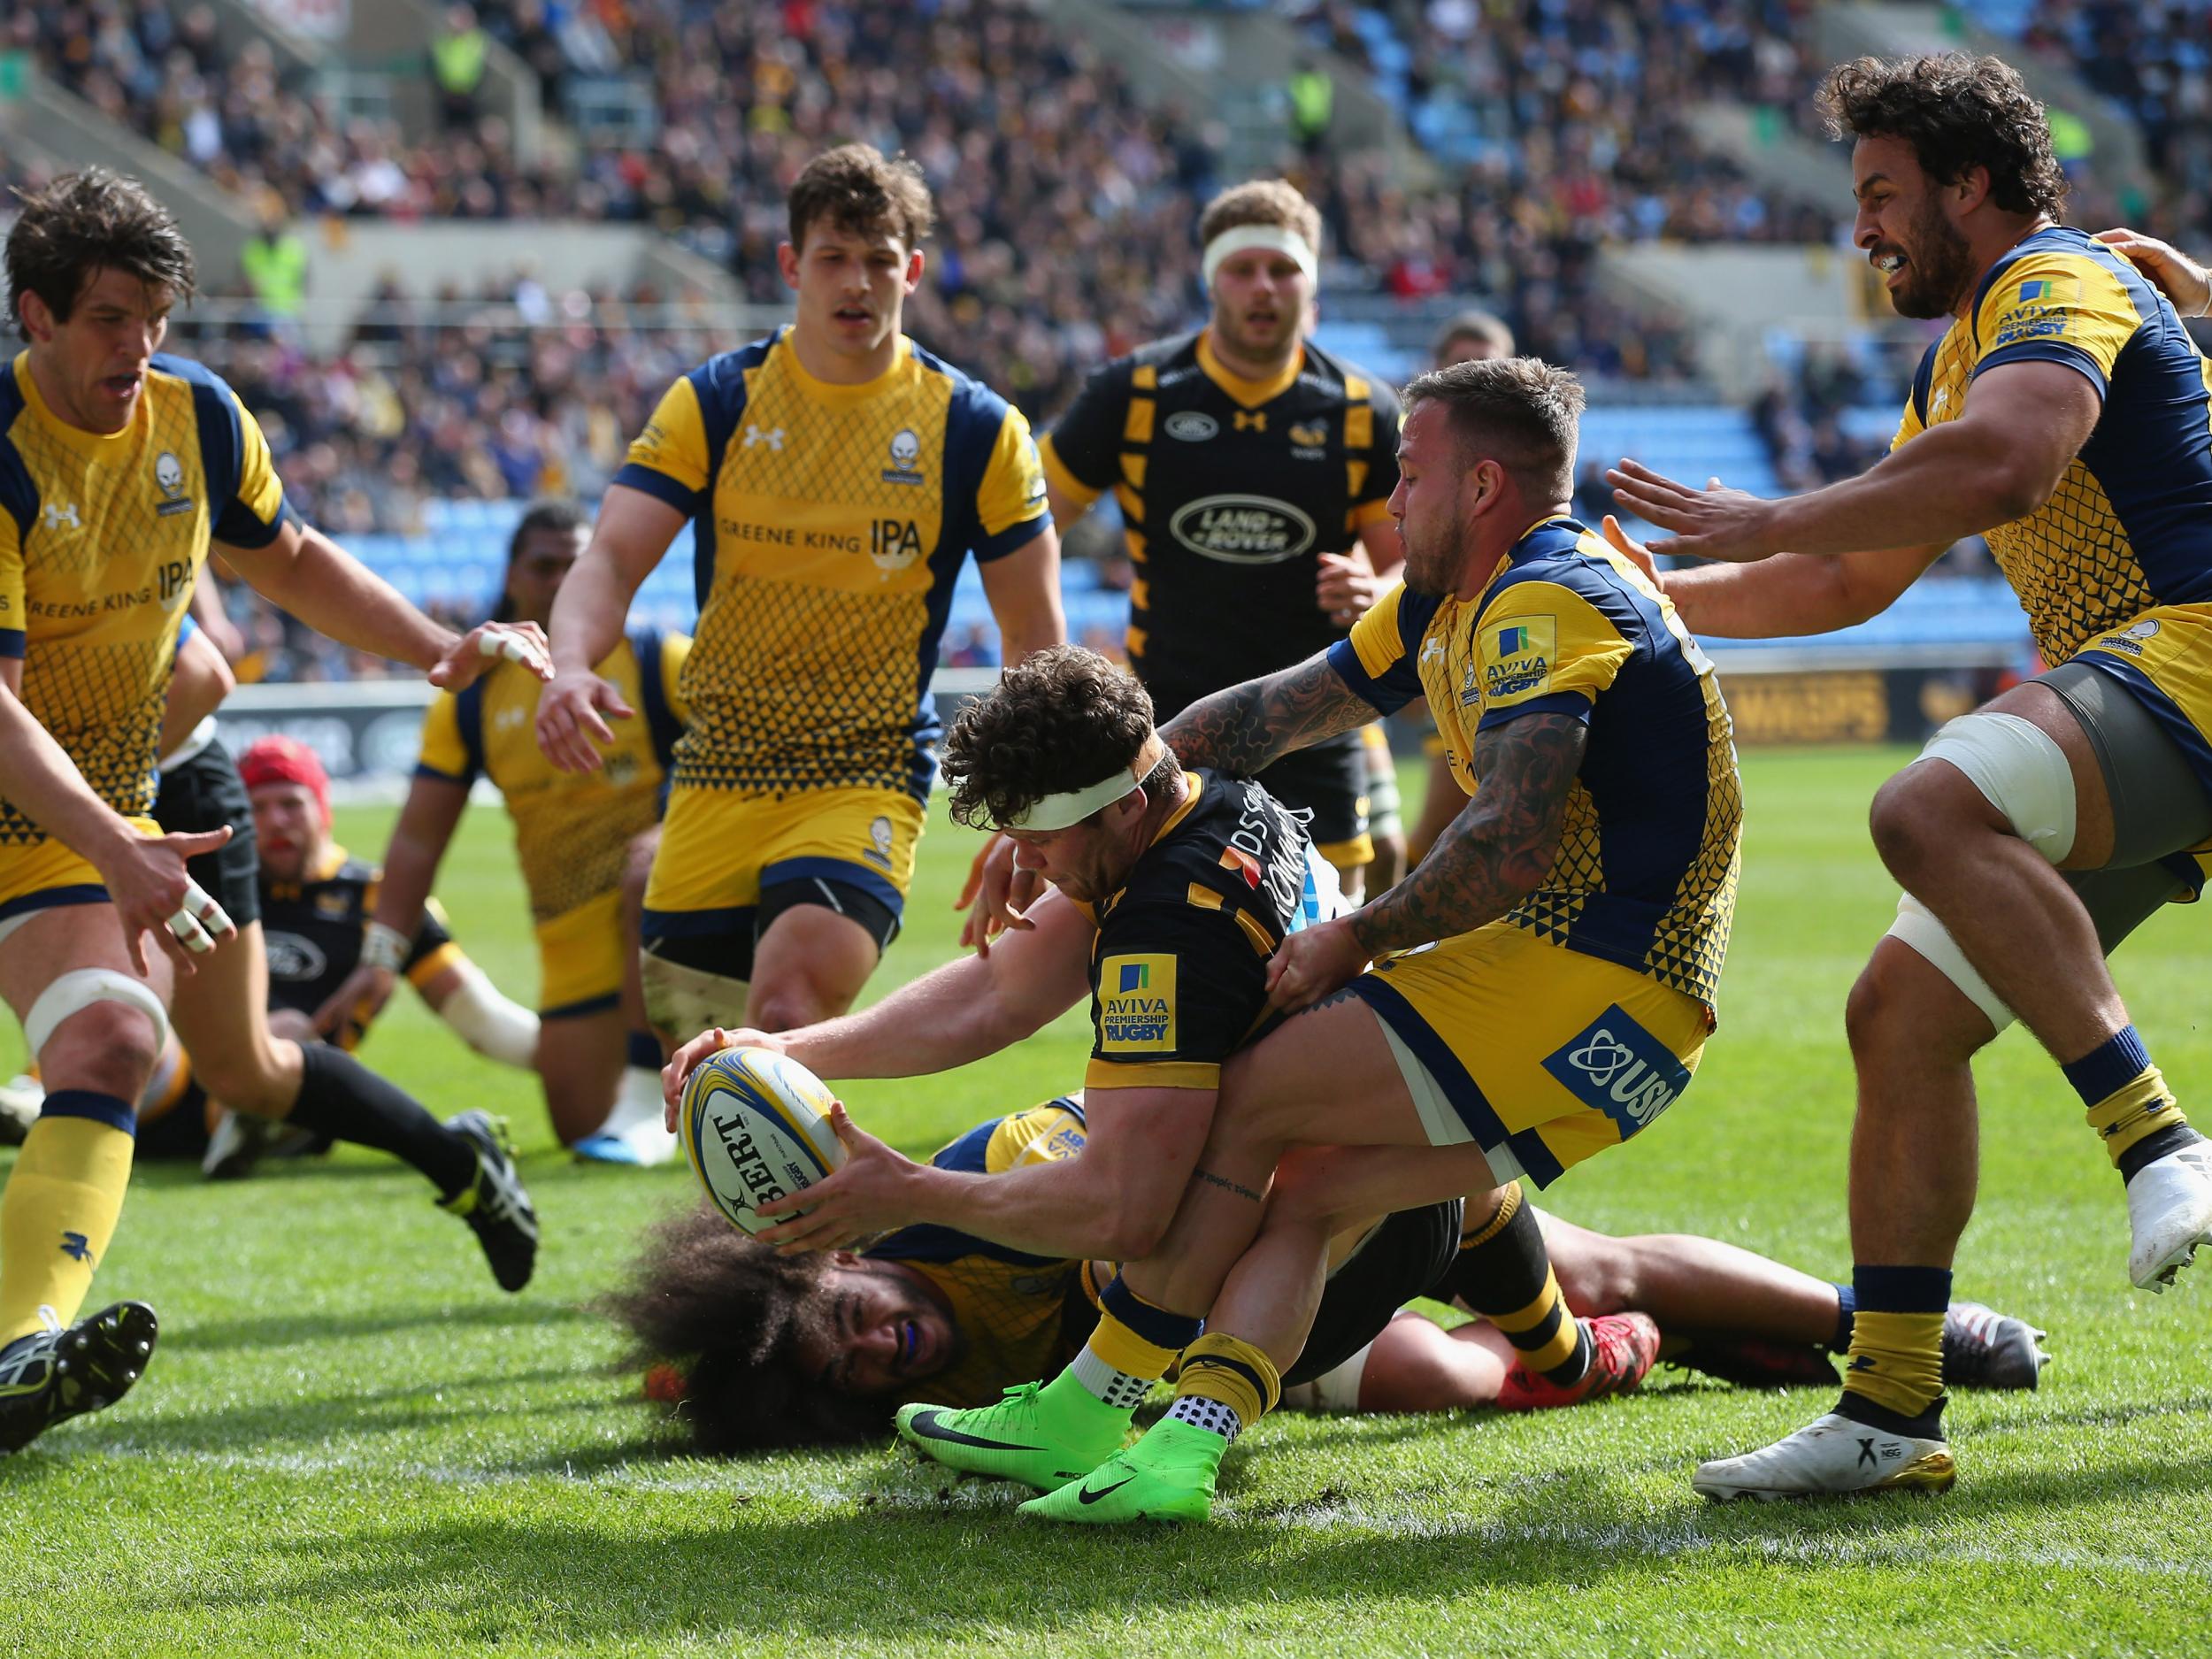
1517	658
1617	1067
1136	1005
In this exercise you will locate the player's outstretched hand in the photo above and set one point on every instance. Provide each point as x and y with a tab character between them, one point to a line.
1346	586
1712	522
146	881
489	642
1633	550
686	1059
2173	272
1310	964
870	1193
572	719
996	895
356	1001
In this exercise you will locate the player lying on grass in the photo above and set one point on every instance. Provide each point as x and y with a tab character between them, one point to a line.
762	1350
1170	891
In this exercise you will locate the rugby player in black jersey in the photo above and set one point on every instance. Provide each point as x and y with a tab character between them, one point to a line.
1252	470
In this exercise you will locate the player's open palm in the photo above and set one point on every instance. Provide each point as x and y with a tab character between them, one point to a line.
146	881
707	1043
870	1193
572	716
488	643
1712	522
1310	964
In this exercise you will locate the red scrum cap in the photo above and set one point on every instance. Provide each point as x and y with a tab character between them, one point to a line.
285	760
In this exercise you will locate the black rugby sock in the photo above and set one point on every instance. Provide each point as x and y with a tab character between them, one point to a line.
1503	1272
342	1098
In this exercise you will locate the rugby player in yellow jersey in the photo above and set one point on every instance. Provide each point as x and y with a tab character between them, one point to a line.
837	478
2063	415
580	838
118	467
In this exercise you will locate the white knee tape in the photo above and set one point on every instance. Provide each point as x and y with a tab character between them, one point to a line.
687	1001
72	993
1916	925
2020	770
1335	1390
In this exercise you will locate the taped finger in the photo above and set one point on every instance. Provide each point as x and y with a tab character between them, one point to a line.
204	905
186	928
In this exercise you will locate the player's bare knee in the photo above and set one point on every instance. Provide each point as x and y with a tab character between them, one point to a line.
1303	1193
1912	820
1600	1279
1900	1002
105	1047
791	1004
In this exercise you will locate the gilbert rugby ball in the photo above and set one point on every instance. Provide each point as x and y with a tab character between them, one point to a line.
756	1126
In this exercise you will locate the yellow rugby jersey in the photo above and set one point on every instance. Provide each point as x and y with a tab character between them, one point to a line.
831	523
1647	860
2130	526
572	830
100	539
1017	1315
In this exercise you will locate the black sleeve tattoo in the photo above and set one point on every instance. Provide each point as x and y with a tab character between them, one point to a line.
1240	730
1497	851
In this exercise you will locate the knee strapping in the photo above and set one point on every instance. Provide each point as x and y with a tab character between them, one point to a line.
2020	770
1916	925
73	992
685	1001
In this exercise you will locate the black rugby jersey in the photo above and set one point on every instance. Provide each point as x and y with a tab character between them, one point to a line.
1231	490
1178	970
312	932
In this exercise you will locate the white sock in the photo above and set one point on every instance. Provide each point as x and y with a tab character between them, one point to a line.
1210	1414
1115	1388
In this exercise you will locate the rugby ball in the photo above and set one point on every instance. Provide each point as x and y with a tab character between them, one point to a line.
756	1127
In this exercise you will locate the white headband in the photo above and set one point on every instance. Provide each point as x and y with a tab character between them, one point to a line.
1063	812
1276	238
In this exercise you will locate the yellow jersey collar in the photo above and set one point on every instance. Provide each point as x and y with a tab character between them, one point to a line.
1249	393
77	437
830	392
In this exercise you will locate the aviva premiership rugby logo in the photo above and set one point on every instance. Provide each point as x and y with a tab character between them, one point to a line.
1136	1005
1517	657
1617	1067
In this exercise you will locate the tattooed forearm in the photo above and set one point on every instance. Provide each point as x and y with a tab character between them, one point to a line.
1498	850
1227	1186
1243	728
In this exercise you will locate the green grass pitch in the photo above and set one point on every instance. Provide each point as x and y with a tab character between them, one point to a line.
350	1442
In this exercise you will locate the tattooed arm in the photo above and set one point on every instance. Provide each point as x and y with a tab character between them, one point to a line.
1243	728
1494	855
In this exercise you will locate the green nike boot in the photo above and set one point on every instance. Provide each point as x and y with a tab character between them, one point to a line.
1167	1476
1042	1435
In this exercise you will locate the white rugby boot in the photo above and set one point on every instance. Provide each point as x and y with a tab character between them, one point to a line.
1831	1455
2170	1214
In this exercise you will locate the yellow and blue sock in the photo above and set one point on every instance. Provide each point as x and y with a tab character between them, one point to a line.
1131	1348
61	1206
2128	1103
1847	1309
1894	1380
1226	1385
1504	1273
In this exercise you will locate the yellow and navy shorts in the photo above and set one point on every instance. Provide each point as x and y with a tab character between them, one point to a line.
1541	1055
729	862
2164	657
44	875
581	955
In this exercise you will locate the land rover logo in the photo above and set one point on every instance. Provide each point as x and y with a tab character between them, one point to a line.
1243	529
1192	426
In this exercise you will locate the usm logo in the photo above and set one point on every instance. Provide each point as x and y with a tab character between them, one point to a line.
1136	1005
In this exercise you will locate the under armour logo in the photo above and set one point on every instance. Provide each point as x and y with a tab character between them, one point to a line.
772	437
76	1247
1601	1055
1866	1451
60	514
1254	423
